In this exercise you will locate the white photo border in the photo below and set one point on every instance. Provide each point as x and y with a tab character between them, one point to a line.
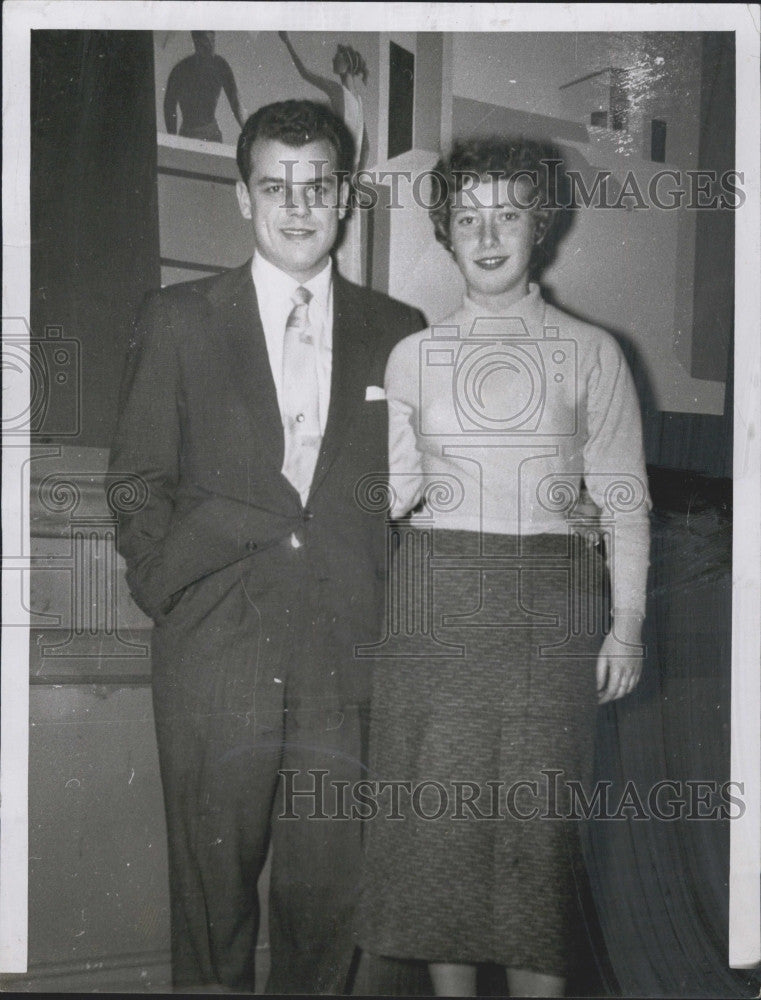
20	17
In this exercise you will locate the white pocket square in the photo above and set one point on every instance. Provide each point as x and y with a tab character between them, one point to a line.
373	392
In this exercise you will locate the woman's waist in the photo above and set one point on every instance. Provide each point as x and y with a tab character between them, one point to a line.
465	562
514	522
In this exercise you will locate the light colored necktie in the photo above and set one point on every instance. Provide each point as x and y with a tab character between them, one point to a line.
300	396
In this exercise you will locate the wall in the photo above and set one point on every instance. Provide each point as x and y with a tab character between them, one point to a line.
98	907
264	72
525	71
609	258
198	213
201	228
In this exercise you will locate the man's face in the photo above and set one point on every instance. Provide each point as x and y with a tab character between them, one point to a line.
295	203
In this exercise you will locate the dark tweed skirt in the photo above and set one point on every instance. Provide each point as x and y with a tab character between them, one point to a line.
483	711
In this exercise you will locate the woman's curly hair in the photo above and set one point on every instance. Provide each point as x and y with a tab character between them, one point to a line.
496	158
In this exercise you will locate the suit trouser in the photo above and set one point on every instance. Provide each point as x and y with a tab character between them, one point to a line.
245	688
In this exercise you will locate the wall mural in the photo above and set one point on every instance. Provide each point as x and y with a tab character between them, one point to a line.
194	85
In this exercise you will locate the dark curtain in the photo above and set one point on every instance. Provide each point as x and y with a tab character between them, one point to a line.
661	887
94	218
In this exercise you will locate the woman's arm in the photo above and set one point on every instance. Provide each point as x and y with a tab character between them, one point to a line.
616	477
404	457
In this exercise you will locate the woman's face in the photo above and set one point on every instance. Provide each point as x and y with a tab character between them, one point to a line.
492	238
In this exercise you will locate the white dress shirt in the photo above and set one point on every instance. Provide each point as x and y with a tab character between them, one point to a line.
274	291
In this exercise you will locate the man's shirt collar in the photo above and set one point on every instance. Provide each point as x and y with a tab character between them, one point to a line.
281	286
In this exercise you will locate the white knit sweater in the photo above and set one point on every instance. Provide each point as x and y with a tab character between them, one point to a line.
497	420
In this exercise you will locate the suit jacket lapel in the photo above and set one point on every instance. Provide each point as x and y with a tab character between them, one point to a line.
352	348
250	365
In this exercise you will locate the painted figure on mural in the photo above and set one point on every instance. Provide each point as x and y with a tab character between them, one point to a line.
345	97
195	84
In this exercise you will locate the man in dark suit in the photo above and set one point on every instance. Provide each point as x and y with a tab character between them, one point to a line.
251	407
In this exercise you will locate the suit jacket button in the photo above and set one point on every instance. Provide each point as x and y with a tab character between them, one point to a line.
251	546
308	515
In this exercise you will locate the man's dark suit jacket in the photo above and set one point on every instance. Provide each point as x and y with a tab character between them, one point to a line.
253	651
199	423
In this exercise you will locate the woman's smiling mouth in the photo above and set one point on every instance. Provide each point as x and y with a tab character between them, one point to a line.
490	263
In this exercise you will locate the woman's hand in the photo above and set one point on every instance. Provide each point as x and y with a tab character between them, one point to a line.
619	664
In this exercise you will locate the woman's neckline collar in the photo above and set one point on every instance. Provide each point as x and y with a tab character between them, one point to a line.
527	303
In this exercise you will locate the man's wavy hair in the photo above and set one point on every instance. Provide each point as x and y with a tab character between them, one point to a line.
295	123
493	159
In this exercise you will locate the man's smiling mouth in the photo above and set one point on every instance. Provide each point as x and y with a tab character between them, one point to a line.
297	234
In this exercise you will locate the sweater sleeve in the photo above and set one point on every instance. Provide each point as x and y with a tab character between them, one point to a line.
615	475
405	459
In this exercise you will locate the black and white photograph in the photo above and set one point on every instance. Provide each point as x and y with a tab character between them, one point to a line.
381	499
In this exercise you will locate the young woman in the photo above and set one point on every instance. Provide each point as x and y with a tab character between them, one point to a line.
500	416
